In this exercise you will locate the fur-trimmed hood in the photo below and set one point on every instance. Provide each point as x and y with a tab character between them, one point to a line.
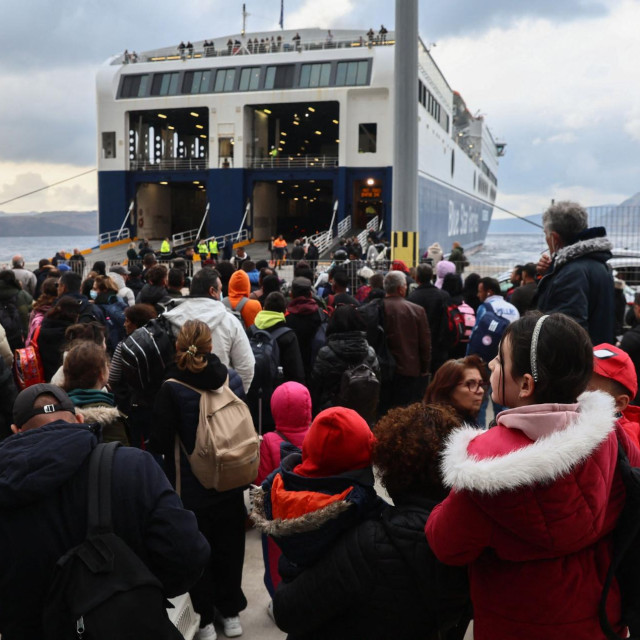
597	245
103	415
550	489
507	457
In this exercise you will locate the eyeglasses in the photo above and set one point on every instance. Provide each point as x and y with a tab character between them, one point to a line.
474	385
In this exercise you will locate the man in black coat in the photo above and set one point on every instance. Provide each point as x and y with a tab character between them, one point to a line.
577	280
434	301
43	508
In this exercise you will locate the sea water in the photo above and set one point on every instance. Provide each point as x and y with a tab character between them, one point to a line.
34	248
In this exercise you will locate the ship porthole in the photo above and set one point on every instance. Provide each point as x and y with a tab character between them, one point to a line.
453	162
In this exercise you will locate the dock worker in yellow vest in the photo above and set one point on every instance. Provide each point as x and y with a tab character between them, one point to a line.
213	249
165	247
203	252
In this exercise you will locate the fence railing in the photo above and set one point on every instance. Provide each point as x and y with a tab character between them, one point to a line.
279	162
235	236
344	226
113	236
168	164
372	225
184	237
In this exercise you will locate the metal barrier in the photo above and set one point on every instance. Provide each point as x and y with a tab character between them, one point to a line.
113	236
162	164
372	225
184	237
344	226
236	236
318	162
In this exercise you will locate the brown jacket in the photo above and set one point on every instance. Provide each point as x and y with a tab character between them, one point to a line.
408	336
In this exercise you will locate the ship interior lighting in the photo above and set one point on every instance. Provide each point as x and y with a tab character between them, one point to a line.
196	182
268	111
202	135
194	114
311	109
296	122
162	115
334	121
370	181
311	181
318	133
164	183
283	142
279	181
283	133
199	126
337	140
171	127
279	148
306	115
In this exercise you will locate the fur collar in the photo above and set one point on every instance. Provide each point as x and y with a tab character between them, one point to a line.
103	414
309	522
542	461
580	249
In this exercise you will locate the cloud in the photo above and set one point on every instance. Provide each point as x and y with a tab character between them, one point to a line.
328	14
29	179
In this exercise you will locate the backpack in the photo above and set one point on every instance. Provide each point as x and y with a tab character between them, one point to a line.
146	354
114	319
101	589
625	561
461	320
227	450
320	336
267	372
486	335
360	391
237	312
10	320
27	364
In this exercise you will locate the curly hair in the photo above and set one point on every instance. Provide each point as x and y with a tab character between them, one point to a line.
407	449
193	346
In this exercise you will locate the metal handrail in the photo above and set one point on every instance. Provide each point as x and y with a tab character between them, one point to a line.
235	236
244	50
113	236
269	162
184	237
171	164
344	226
372	225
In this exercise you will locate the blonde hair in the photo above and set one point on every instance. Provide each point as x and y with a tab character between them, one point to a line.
192	346
105	283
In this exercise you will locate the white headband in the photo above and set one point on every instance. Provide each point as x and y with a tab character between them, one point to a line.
534	347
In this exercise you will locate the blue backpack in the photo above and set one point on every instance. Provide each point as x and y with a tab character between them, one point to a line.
114	320
487	333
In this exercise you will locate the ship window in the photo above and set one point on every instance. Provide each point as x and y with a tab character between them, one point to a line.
352	73
165	84
367	137
108	144
134	86
280	77
224	80
315	75
249	79
196	82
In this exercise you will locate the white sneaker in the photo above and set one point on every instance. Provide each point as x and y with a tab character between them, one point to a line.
207	632
232	628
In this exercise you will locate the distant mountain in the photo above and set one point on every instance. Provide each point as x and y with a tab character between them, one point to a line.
49	223
633	201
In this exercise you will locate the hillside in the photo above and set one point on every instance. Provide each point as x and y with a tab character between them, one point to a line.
49	223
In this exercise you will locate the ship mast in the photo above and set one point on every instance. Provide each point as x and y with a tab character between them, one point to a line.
245	15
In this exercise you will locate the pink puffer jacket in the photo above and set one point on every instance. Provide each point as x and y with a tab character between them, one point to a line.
291	410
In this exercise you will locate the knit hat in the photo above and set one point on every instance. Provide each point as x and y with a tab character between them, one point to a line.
338	440
612	362
399	265
443	268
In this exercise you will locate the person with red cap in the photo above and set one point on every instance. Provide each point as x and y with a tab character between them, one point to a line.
320	493
615	374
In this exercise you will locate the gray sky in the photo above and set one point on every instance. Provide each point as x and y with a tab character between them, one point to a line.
556	79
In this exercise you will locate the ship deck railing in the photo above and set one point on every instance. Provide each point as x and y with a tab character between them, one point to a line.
113	236
292	162
168	164
244	49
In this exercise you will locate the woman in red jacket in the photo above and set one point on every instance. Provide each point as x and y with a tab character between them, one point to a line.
535	499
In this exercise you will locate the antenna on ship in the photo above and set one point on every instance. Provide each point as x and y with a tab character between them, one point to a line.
245	15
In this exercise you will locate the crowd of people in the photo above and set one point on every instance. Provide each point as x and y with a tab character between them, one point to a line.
509	518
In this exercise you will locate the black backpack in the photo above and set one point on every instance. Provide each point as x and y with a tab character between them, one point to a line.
267	372
373	315
114	318
146	353
101	589
625	562
360	391
10	320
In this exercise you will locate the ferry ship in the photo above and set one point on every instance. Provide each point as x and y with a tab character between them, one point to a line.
282	132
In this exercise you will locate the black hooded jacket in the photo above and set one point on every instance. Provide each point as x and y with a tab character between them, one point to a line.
43	498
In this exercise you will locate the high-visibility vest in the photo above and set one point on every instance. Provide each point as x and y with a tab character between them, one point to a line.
213	246
165	247
202	248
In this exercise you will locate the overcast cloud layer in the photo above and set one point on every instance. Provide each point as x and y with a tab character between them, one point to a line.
557	80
